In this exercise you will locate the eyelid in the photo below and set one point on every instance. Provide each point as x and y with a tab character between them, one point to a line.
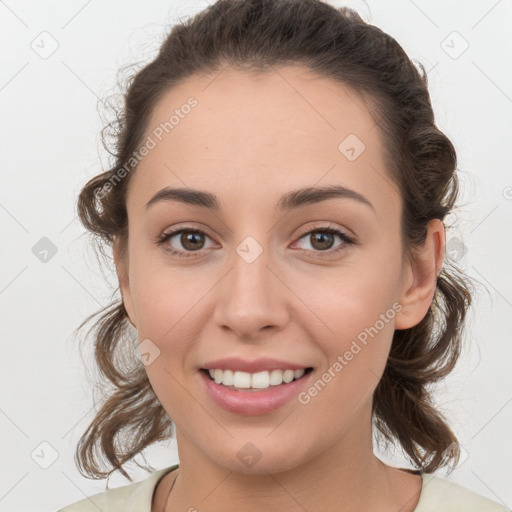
327	226
183	227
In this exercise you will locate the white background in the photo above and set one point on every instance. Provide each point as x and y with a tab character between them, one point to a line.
50	147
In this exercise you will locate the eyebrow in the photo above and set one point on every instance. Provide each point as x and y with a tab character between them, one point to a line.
289	201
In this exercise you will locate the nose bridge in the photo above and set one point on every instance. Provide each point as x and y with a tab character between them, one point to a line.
251	295
251	279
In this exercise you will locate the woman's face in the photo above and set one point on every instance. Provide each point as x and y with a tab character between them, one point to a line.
263	278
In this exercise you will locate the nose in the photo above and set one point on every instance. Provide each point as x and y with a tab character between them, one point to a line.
252	298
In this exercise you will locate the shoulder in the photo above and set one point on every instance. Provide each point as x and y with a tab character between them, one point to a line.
134	497
442	495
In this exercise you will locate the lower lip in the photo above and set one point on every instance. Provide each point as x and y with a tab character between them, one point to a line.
254	403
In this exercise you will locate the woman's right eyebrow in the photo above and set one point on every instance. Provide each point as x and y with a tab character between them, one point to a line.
187	196
289	201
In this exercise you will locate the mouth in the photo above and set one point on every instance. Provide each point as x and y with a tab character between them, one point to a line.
254	382
239	397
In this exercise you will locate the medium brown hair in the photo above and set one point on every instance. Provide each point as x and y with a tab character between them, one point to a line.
420	159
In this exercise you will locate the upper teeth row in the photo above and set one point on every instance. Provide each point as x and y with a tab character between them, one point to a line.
258	380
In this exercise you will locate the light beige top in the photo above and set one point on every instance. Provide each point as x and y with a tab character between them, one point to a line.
437	495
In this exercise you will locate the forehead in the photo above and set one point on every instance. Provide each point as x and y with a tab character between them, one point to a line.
282	105
265	130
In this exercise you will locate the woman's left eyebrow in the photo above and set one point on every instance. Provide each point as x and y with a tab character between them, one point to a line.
310	195
289	201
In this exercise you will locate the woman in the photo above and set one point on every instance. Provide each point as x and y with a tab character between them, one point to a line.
276	218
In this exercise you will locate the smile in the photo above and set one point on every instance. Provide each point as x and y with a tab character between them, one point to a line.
259	380
254	401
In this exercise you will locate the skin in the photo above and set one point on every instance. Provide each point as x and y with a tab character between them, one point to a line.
250	140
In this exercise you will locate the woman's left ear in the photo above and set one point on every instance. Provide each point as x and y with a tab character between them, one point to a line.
420	276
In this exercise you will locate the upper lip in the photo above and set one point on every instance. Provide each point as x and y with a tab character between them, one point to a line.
258	365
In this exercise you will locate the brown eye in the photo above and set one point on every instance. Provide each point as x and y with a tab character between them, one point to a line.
183	242
191	240
322	240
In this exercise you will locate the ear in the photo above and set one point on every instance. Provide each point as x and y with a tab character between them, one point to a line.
420	276
121	263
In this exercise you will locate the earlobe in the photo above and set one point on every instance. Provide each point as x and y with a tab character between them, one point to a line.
420	277
121	265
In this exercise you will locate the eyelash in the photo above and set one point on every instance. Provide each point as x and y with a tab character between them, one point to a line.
162	239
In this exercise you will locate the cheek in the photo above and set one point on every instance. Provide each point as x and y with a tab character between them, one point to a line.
356	356
348	299
167	305
356	307
164	298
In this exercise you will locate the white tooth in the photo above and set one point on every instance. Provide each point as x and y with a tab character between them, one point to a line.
288	376
298	373
218	376
260	380
227	377
242	380
276	377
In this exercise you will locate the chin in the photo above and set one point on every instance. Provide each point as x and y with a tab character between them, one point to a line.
250	460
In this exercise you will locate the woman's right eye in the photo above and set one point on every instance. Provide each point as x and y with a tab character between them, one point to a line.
191	240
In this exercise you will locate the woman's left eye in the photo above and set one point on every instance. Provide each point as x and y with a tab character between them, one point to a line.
323	239
193	240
